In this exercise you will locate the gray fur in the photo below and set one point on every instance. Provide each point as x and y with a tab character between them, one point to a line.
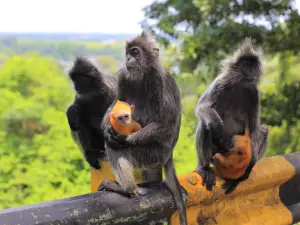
226	106
144	83
95	91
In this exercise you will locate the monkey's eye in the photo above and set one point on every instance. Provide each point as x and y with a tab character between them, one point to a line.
134	51
120	118
126	116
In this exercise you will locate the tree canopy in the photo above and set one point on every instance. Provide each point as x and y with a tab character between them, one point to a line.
199	33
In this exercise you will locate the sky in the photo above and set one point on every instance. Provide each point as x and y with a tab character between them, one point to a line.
101	16
80	16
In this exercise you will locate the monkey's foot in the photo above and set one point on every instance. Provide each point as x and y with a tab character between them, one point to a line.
216	160
208	177
230	185
140	192
92	156
94	163
108	185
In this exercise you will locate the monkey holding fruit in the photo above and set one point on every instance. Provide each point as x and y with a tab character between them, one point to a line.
231	101
144	83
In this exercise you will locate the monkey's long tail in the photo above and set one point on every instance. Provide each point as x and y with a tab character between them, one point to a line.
174	186
246	61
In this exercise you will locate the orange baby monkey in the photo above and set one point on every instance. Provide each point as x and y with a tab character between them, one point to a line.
234	164
121	118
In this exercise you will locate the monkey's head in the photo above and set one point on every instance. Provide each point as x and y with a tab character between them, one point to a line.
244	66
142	54
85	76
122	112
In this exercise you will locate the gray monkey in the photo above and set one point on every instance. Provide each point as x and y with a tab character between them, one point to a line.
143	82
95	91
231	101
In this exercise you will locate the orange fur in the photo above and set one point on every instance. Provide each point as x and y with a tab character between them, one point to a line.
124	129
233	165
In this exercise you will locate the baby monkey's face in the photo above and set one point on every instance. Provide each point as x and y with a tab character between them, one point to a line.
124	118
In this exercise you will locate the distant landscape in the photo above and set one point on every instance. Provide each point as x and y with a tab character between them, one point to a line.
103	49
68	36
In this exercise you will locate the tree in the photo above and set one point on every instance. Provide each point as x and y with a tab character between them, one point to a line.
208	30
199	33
39	160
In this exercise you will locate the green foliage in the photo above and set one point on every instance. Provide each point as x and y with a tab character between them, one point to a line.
280	109
184	153
39	159
208	30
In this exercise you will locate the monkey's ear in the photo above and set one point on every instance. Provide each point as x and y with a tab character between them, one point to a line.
132	108
111	116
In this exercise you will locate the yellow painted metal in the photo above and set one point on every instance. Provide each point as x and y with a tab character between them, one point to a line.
254	202
97	176
105	173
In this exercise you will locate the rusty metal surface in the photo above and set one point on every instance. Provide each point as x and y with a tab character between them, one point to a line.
256	201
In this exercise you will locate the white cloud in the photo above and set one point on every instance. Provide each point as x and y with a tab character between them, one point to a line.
105	16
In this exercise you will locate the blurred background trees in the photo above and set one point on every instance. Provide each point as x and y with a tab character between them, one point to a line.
207	31
39	160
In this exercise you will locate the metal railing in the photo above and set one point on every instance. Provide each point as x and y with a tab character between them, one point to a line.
271	195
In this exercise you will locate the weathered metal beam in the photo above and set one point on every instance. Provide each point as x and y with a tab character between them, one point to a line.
96	208
271	195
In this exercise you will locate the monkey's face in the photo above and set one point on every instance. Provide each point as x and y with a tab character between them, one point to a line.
124	118
134	57
141	55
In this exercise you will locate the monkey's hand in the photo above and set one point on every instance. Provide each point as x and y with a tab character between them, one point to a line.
113	186
221	161
115	140
230	185
73	113
93	160
208	177
225	143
